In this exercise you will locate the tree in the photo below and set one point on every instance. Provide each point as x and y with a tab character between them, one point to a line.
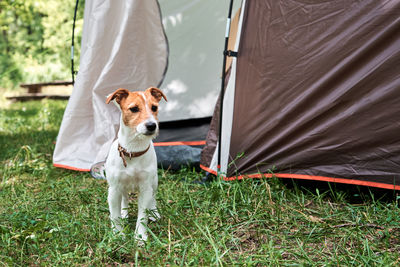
35	40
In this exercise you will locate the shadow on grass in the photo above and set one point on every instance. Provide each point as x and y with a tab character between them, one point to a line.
336	192
23	112
352	194
37	141
31	125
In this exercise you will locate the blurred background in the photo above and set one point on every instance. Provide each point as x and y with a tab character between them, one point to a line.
35	41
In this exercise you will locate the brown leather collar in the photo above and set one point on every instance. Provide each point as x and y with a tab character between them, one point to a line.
123	153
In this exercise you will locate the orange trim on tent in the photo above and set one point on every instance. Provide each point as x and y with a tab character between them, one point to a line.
208	169
181	143
178	143
306	177
70	168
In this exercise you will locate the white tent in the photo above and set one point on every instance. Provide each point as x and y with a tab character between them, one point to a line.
124	45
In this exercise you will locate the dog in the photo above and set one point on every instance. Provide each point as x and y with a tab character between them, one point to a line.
131	162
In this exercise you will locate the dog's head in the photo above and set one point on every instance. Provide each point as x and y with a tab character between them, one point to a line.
139	109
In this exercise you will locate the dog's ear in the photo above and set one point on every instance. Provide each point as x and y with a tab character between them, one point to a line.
156	93
118	95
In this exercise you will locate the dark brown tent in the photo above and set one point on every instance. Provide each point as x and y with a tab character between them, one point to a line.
314	93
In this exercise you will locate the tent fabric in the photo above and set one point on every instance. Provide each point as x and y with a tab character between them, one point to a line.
195	31
317	93
173	154
123	45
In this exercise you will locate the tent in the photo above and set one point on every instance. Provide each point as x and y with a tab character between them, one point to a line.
312	87
175	45
313	93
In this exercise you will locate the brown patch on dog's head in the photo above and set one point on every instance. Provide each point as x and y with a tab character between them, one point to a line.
156	93
118	95
153	97
137	107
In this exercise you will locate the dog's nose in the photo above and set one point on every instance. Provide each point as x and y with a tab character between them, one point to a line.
151	126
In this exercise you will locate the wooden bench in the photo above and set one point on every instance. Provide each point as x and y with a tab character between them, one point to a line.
34	88
35	91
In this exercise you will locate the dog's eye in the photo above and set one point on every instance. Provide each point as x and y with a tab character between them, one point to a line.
154	108
134	109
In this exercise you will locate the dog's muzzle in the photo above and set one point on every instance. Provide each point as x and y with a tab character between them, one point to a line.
151	128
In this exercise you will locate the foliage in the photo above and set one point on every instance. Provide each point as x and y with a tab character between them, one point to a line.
35	39
55	217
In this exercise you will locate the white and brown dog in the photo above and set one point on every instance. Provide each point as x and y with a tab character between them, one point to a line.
131	162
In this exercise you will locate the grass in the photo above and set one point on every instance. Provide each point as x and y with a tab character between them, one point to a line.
52	217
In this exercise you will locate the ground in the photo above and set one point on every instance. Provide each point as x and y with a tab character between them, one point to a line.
51	216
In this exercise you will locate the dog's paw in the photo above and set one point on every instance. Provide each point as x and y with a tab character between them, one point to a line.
154	215
124	214
140	242
141	239
118	233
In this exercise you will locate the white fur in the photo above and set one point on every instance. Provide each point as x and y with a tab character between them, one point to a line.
140	174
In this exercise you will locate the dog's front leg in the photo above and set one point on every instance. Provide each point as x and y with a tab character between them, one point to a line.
114	204
124	205
154	215
144	203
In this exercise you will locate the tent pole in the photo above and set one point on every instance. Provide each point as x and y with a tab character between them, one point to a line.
72	44
228	25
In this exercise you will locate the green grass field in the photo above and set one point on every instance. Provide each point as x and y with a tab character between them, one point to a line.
52	217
